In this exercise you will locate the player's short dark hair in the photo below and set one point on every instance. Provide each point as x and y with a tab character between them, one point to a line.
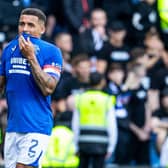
35	12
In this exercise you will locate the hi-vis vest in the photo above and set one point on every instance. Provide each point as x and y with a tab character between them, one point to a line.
162	6
93	106
61	149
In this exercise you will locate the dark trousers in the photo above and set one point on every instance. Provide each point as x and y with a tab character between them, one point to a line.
140	151
97	161
122	154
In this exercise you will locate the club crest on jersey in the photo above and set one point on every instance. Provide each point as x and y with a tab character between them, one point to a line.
13	48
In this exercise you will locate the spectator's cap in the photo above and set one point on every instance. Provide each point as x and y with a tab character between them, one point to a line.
95	78
117	26
164	92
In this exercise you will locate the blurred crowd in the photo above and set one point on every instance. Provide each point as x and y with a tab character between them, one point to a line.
126	42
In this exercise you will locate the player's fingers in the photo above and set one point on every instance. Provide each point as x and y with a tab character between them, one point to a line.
19	43
28	40
22	43
23	40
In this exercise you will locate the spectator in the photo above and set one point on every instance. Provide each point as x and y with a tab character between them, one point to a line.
92	39
139	115
64	41
159	62
155	49
160	120
79	80
115	76
158	83
140	56
115	49
61	149
71	83
144	18
94	123
52	28
77	14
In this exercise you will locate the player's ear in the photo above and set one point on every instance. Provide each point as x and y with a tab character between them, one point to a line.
42	29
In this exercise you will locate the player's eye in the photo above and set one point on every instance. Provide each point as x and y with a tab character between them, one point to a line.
21	23
30	24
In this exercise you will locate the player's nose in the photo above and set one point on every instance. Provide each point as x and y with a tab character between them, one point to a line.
25	29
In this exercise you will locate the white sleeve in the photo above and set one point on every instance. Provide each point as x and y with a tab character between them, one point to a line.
112	130
75	128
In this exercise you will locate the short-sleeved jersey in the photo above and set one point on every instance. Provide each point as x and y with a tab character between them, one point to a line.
28	109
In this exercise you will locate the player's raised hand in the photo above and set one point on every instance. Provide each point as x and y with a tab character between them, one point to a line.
26	47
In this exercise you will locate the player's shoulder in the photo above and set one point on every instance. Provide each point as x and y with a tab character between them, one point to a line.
50	49
11	45
12	42
48	45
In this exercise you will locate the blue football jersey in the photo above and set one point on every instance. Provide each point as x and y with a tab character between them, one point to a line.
28	109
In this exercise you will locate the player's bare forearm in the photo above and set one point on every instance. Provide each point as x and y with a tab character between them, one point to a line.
45	82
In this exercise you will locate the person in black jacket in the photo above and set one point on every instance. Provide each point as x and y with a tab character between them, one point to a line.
93	38
76	16
144	19
77	13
